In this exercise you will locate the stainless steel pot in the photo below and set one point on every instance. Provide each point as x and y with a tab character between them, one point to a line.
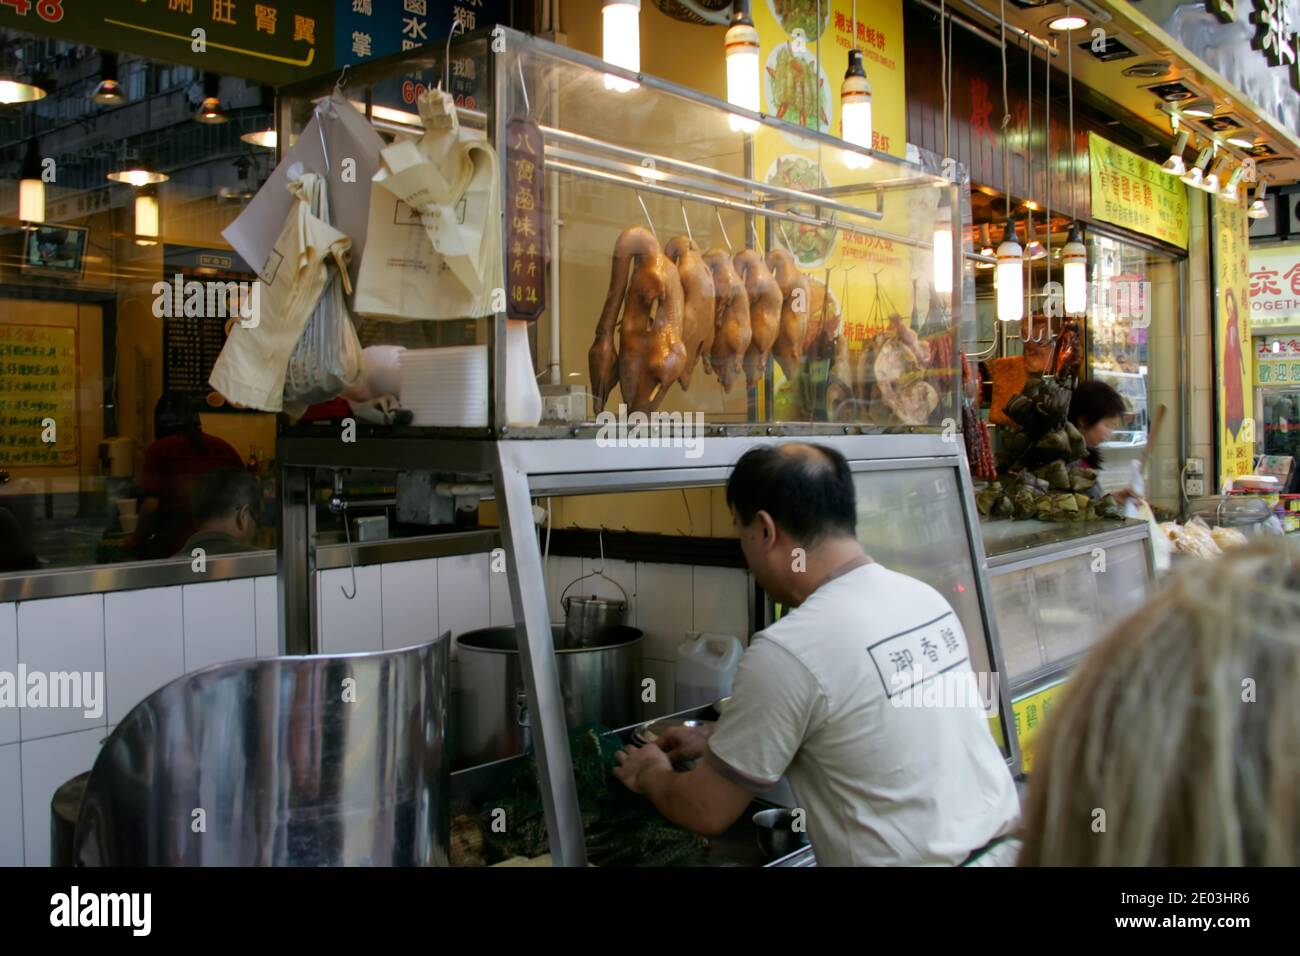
589	620
599	685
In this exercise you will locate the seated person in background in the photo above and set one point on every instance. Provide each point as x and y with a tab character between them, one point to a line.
1096	410
173	464
1182	726
226	505
815	697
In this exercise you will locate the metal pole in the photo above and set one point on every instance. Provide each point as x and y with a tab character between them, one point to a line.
295	562
537	657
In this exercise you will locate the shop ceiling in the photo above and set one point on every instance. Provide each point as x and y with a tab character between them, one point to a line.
1140	64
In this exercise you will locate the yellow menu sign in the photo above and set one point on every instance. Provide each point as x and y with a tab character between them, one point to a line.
1132	192
1234	378
38	383
1029	713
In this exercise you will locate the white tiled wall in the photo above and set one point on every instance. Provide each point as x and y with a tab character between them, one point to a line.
140	640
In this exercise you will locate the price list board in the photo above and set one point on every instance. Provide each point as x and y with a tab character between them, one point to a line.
191	345
38	389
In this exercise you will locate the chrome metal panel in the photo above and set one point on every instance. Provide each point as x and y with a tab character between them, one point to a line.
132	576
287	761
1019	560
541	670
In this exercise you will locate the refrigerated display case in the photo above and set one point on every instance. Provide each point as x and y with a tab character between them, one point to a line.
878	380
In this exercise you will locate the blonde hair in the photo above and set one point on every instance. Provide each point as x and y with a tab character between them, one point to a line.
1177	742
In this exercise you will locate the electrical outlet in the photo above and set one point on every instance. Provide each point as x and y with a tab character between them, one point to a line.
1196	466
1195	487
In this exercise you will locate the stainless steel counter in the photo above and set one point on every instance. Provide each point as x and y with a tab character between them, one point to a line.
135	575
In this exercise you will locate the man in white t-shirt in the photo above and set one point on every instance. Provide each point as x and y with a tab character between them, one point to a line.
838	694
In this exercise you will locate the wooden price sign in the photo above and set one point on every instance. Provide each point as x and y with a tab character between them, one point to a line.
526	253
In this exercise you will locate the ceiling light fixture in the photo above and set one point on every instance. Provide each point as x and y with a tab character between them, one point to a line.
267	138
1010	277
1210	183
1242	140
1229	191
1194	175
942	245
1201	109
146	216
741	45
31	187
137	175
209	110
986	247
621	40
1067	22
855	105
109	91
1174	165
1074	254
1259	209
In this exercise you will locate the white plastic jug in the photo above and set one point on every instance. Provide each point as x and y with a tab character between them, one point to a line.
706	667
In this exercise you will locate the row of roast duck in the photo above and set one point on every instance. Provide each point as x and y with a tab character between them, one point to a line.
675	309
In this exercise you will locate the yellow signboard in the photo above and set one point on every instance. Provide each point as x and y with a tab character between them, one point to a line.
1132	192
38	396
1029	713
803	59
1234	374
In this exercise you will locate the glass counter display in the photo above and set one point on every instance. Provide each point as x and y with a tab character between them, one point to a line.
672	253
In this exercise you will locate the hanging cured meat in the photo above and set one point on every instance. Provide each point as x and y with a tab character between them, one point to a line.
764	311
731	319
697	307
650	351
795	302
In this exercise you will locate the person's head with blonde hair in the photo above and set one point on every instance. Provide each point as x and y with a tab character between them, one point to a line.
1177	742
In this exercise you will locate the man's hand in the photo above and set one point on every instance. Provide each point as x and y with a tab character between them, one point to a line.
637	765
685	743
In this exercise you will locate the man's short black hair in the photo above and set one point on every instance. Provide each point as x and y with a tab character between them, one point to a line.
807	489
1092	401
223	492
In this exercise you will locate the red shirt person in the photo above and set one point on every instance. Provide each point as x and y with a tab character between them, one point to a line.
173	465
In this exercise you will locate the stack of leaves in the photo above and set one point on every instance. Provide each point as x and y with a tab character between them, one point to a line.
621	828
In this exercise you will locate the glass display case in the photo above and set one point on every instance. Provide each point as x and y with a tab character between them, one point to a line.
641	178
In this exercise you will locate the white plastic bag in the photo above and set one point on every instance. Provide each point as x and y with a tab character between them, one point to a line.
327	358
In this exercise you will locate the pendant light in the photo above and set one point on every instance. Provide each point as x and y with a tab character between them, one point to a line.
1174	165
1194	175
209	110
1259	209
13	90
137	174
1010	277
1033	247
741	45
1074	271
621	40
146	216
266	136
855	103
109	91
942	246
31	188
1074	254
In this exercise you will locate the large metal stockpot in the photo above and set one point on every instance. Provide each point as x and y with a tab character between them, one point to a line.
599	685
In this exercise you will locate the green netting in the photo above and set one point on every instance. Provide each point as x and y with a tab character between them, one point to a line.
621	828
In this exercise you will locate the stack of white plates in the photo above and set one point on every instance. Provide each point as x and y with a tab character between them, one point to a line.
446	387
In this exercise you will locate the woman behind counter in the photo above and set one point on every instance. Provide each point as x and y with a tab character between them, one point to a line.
182	454
1096	410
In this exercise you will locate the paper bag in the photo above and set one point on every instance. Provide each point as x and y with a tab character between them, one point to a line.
347	136
434	230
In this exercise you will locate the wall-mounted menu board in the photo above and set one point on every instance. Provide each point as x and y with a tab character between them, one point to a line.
197	302
38	381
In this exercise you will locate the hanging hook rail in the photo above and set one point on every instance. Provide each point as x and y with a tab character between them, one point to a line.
653	231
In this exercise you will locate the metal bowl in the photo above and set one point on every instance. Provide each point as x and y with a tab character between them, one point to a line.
776	835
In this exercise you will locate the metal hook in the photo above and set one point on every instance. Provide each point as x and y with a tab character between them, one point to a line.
653	231
347	536
457	25
687	219
753	225
523	87
341	81
723	229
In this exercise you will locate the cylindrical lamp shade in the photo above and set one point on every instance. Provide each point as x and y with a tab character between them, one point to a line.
1074	269
622	40
146	218
1010	276
742	71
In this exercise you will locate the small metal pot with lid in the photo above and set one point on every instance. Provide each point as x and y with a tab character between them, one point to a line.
589	620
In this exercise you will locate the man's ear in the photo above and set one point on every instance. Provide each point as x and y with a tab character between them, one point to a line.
767	526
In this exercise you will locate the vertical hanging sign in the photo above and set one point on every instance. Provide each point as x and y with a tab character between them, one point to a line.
1234	375
526	252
